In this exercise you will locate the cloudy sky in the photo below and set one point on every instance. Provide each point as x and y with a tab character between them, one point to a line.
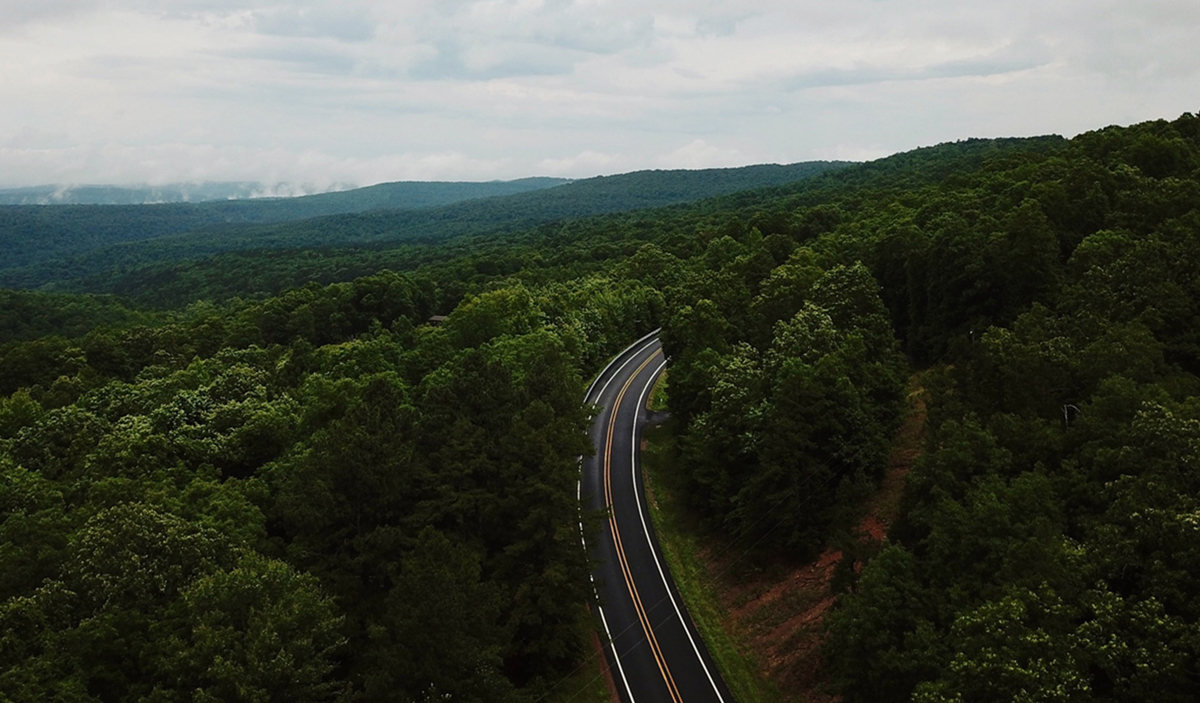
315	92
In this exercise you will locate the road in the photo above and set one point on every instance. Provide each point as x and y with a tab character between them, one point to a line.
654	653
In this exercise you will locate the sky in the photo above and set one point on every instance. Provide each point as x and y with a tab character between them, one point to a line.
315	93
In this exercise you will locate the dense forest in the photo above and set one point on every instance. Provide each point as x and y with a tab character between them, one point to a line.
35	233
130	195
47	245
273	490
257	202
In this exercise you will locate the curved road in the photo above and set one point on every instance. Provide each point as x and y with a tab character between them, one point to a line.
654	653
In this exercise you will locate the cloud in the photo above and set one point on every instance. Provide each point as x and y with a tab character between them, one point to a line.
30	137
700	154
353	25
305	57
1137	42
325	91
500	39
1010	58
285	171
850	152
589	163
452	60
14	15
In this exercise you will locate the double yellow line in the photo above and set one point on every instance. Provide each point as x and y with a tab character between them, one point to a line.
643	616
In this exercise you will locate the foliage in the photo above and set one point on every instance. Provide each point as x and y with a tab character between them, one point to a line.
47	244
272	490
273	500
26	315
1047	549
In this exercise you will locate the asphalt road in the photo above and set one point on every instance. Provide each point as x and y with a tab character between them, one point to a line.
655	654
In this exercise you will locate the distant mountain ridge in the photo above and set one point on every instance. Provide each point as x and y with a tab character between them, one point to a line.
400	195
383	195
45	244
62	194
33	233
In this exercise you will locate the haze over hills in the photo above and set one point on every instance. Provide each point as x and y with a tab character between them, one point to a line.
48	244
260	202
62	194
319	201
29	233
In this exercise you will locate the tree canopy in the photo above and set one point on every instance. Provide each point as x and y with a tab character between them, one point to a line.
269	487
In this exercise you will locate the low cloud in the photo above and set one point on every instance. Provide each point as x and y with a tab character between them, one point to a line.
285	172
700	154
15	15
353	25
321	91
582	165
452	60
1011	58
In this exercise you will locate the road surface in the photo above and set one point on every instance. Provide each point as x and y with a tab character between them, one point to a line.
655	654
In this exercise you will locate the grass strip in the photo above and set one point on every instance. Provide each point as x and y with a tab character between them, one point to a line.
586	685
682	546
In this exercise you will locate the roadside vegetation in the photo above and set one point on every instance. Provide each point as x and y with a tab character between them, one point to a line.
764	618
269	488
684	550
589	683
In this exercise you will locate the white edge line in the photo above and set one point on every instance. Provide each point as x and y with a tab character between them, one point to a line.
646	531
648	335
612	644
615	359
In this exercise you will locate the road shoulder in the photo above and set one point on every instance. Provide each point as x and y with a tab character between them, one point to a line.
764	624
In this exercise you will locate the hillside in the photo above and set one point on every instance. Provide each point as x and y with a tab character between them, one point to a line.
50	244
252	273
37	233
248	498
256	202
127	195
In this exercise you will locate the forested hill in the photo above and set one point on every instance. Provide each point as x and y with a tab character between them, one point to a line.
32	233
258	202
273	499
174	283
403	195
28	314
128	195
44	242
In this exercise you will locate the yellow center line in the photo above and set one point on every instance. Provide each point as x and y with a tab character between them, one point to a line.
643	616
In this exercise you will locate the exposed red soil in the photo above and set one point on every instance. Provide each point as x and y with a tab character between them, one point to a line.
780	612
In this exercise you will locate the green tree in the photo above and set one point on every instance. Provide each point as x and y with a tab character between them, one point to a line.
438	635
258	632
